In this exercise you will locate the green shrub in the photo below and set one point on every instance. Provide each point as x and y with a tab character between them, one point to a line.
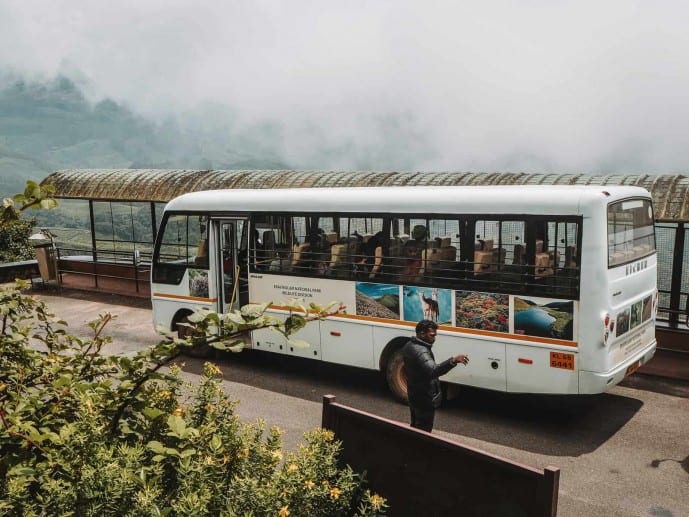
85	433
14	241
15	231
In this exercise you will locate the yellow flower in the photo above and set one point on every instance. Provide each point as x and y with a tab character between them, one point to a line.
165	394
211	370
277	455
328	435
335	493
209	407
292	467
377	501
284	511
309	484
210	460
178	411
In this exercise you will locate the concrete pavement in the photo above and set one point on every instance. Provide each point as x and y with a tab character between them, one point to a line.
632	456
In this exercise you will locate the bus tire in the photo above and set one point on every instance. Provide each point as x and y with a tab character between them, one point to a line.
200	348
396	376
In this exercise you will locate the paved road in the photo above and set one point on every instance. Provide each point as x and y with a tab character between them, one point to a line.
623	453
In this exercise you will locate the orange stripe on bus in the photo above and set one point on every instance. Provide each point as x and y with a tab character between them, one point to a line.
184	297
455	330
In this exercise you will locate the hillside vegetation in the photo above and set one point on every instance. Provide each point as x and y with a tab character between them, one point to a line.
50	126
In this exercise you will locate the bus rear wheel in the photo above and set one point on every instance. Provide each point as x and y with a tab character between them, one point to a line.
396	376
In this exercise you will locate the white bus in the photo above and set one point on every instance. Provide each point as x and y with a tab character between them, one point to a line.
548	289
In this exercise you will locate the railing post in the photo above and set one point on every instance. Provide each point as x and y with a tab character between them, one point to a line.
327	417
676	283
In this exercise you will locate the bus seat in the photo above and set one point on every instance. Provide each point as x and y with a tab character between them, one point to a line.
445	242
499	255
331	238
448	253
484	245
430	258
202	248
404	238
539	245
443	260
202	253
543	265
483	262
340	260
297	253
338	253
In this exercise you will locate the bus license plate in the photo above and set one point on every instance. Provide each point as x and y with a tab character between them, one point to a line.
562	360
632	368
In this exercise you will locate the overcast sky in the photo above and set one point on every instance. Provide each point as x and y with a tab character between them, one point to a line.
580	86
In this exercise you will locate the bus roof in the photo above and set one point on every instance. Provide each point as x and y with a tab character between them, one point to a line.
522	199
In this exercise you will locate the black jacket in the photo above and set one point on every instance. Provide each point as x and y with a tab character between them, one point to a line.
423	386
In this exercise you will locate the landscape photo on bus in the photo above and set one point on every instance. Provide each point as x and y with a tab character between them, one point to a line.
549	289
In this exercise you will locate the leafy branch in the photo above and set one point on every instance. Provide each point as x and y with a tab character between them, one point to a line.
34	197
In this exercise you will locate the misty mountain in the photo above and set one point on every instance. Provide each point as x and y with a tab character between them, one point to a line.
50	126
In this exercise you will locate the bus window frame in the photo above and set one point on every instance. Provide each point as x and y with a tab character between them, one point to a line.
632	257
569	281
172	272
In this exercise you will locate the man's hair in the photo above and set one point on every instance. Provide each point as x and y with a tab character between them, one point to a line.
425	325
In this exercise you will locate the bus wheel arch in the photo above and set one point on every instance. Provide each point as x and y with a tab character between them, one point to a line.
392	365
181	317
200	349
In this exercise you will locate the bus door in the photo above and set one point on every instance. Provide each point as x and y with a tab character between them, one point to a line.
231	264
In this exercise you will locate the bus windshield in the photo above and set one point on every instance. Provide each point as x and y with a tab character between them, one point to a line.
631	233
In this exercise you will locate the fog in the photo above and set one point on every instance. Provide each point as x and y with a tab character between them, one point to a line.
595	87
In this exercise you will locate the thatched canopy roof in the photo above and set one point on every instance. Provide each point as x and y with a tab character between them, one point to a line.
670	192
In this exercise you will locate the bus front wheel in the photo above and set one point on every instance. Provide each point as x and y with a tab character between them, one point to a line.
200	348
396	376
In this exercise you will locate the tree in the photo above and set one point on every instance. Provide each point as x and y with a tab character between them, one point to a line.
86	433
15	231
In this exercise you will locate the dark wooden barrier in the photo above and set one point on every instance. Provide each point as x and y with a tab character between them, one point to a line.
102	274
422	474
25	270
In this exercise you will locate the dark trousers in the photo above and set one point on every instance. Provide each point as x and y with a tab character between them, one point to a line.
422	416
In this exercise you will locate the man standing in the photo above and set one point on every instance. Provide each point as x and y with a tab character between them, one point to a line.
423	386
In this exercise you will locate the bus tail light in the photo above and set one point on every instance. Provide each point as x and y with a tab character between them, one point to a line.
655	303
606	332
